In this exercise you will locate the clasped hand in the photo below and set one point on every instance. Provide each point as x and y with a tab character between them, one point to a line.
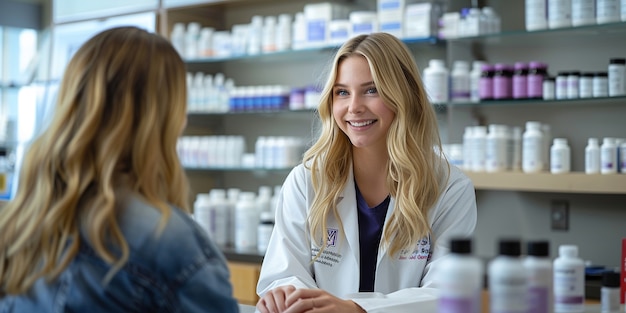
288	299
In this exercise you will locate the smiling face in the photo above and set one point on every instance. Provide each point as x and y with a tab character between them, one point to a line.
358	108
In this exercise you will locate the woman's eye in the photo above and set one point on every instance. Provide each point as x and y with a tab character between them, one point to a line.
341	92
372	90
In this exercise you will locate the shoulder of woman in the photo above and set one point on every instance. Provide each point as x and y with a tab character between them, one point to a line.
179	244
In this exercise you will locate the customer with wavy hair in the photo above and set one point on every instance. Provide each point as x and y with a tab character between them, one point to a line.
374	204
100	221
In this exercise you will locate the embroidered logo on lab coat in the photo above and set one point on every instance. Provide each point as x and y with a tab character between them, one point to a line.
331	240
420	252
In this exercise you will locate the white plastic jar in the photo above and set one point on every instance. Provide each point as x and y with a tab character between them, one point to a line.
583	12
560	156
532	148
436	81
607	11
496	148
536	15
363	22
617	77
559	13
569	281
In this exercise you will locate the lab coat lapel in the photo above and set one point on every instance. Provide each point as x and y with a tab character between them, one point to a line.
347	208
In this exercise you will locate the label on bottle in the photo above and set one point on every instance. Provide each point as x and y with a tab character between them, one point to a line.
569	293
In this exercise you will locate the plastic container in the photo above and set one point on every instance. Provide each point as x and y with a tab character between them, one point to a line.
502	82
520	80
246	222
592	156
479	135
496	148
585	87
617	77
532	148
485	89
461	278
460	82
609	293
583	12
475	75
608	156
467	148
573	82
436	81
559	13
536	14
363	22
561	85
537	71
538	265
601	85
569	281
607	11
507	279
549	88
560	156
264	231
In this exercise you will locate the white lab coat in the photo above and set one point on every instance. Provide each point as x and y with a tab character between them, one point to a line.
289	254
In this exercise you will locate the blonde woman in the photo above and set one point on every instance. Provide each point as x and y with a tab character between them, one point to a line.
373	205
100	221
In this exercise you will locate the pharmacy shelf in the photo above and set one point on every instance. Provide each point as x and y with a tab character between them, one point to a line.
546	182
620	100
551	37
260	112
240	169
301	54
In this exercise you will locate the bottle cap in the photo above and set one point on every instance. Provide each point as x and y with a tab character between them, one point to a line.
610	279
461	246
510	247
568	250
538	248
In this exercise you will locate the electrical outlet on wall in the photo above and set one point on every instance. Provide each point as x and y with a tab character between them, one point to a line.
559	215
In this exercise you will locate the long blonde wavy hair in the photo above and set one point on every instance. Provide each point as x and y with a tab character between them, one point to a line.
415	159
120	109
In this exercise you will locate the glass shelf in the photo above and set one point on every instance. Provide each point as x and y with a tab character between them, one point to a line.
301	54
578	34
621	100
281	112
239	169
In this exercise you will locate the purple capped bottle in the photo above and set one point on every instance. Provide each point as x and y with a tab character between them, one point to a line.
485	83
502	82
520	80
536	73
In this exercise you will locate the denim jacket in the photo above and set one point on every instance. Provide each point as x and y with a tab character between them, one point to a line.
179	271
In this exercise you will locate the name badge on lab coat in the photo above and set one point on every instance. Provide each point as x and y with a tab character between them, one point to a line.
420	252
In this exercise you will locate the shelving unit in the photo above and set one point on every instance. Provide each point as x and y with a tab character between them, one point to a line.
547	182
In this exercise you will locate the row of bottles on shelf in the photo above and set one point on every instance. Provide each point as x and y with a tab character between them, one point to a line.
330	24
216	94
522	80
271	152
520	282
550	14
239	219
500	148
469	22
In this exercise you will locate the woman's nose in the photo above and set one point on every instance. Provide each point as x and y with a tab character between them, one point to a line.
355	105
